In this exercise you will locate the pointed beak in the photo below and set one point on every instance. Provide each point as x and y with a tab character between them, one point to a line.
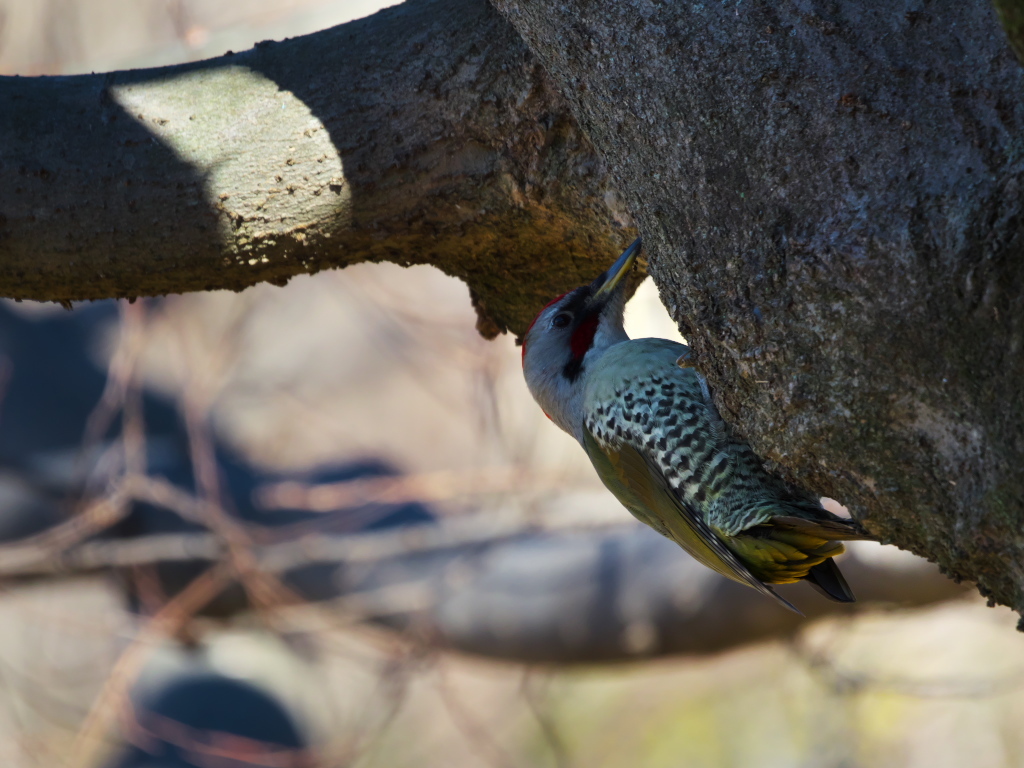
606	284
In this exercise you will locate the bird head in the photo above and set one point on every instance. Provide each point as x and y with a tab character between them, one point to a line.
568	335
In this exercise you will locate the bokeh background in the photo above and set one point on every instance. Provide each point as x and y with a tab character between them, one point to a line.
477	598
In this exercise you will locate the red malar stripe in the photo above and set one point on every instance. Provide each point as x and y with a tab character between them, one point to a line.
583	336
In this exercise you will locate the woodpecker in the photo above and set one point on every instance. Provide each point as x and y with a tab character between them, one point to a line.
647	421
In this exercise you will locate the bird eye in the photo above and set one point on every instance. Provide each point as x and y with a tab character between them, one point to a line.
562	319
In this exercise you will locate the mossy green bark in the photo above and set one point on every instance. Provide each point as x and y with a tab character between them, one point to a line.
1011	16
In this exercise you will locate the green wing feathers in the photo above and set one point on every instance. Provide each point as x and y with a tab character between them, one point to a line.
643	491
655	438
786	548
832	530
783	549
782	557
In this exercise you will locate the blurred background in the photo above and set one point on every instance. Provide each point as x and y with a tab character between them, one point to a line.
325	525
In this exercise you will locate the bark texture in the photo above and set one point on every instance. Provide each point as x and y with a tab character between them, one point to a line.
424	134
830	196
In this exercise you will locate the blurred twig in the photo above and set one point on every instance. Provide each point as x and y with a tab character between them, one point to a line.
113	699
121	373
425	487
23	560
849	681
533	687
263	589
479	735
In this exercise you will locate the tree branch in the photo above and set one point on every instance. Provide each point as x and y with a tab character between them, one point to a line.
830	197
424	134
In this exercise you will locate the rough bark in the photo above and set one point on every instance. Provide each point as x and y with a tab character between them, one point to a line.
830	196
424	134
829	193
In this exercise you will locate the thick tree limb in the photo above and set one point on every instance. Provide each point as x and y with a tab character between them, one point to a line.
830	194
424	134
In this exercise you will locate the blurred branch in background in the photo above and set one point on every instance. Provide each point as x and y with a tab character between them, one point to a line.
541	593
113	698
434	486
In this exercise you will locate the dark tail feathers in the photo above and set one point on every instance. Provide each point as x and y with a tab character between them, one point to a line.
827	579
